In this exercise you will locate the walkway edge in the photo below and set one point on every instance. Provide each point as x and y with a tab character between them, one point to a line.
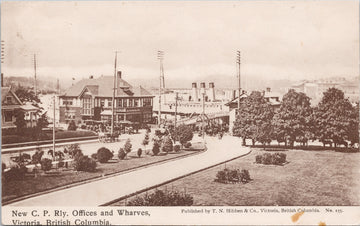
172	180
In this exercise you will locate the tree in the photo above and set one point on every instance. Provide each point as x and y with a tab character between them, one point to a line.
293	120
27	95
72	126
167	144
20	121
183	134
146	139
127	146
253	120
353	130
335	118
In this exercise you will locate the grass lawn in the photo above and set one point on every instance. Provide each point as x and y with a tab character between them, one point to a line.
56	178
319	178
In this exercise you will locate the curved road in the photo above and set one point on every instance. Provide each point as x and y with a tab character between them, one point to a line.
106	190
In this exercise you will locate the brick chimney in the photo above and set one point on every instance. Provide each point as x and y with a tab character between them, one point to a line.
211	91
194	92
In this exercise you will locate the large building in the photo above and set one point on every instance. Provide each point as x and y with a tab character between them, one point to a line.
315	89
91	99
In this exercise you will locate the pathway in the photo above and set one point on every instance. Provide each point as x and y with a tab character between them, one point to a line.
103	191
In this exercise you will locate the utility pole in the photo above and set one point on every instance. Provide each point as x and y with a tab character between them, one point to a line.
176	103
113	97
35	85
160	58
238	61
54	128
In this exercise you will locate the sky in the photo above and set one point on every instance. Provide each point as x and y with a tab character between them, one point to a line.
277	39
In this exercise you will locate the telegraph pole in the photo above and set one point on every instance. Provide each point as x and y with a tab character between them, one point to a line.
35	85
160	58
113	97
238	58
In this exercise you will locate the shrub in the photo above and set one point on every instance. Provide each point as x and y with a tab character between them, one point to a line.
139	152
46	164
183	133
258	159
15	173
121	154
127	146
167	145
187	145
94	156
36	158
146	139
233	176
177	148
84	163
72	126
273	159
156	148
3	167
161	198
73	150
104	155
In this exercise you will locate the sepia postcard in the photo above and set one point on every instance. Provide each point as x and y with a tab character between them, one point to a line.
180	113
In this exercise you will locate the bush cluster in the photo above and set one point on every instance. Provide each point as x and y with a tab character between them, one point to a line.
176	148
161	198
156	148
104	155
121	154
271	159
84	163
233	176
46	164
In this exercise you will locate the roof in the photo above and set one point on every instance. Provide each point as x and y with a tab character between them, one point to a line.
29	107
235	100
103	87
4	93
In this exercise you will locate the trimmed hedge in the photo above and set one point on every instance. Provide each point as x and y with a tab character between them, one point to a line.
271	159
84	163
233	176
161	198
46	164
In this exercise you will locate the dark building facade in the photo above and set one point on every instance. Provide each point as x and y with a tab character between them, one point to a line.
91	99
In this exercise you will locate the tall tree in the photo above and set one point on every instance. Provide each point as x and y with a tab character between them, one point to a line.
333	117
292	122
253	120
353	131
27	95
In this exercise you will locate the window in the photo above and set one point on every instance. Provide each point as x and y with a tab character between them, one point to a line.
120	102
136	102
131	102
87	106
102	103
9	100
125	103
147	102
109	102
8	116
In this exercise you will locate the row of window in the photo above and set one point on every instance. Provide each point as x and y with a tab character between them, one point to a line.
130	102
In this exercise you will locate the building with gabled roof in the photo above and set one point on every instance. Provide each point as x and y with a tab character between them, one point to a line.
91	99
